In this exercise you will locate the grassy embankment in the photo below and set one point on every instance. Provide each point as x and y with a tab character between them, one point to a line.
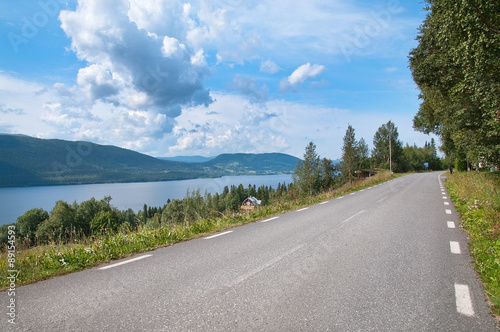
43	262
477	199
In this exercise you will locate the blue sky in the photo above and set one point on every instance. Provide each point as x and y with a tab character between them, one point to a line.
167	77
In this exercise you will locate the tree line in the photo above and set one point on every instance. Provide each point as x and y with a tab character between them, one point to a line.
314	174
456	66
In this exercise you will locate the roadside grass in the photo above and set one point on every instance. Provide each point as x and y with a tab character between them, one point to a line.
47	261
477	199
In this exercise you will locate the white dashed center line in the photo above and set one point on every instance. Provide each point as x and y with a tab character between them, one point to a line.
357	214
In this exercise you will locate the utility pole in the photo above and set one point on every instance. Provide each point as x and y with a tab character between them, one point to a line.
390	148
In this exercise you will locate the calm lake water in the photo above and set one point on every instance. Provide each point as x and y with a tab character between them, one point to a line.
15	201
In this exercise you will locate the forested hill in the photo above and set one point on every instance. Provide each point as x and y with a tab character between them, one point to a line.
28	161
247	163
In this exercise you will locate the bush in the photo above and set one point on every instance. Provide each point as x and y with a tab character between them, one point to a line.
27	224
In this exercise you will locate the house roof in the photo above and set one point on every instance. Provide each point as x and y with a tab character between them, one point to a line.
253	200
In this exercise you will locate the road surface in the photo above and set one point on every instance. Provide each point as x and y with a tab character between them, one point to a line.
387	258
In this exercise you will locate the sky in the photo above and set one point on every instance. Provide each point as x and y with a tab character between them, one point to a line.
179	78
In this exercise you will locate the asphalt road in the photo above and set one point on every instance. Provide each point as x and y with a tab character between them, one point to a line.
383	259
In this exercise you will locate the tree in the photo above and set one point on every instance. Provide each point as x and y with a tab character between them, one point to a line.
364	154
456	65
307	173
27	224
350	155
329	174
387	148
60	225
87	211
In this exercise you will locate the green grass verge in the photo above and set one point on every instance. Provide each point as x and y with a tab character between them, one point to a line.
477	199
44	262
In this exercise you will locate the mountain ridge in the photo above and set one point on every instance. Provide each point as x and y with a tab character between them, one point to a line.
29	161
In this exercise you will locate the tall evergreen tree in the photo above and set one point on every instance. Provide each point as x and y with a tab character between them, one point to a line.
350	156
364	154
308	171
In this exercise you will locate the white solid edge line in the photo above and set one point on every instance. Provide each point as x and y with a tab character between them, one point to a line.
124	262
450	224
273	218
216	235
463	300
455	247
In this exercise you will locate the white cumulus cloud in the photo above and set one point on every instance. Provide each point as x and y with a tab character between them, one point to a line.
300	75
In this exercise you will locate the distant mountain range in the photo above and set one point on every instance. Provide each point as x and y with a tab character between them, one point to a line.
188	159
28	161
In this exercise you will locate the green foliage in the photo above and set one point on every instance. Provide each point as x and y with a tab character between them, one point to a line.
415	157
60	226
386	144
329	175
350	156
4	234
27	224
105	222
307	175
457	68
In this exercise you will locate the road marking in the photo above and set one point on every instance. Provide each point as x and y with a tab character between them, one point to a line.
340	197
463	300
303	209
352	194
448	211
357	214
361	190
451	224
455	247
444	197
383	198
265	265
273	218
446	203
324	202
124	262
369	188
216	235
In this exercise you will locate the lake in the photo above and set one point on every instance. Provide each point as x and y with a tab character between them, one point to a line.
15	201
